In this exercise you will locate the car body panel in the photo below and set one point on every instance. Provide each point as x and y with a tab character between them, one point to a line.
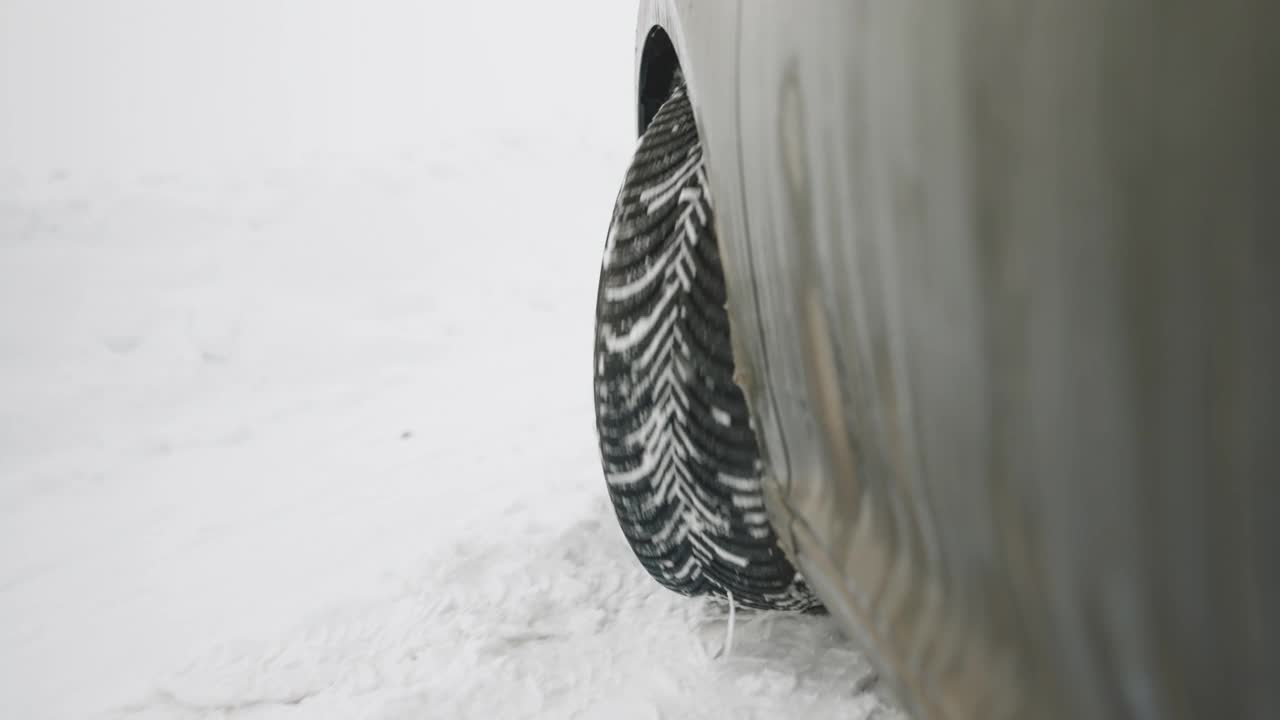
1002	282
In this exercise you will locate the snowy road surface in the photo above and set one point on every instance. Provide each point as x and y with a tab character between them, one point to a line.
295	412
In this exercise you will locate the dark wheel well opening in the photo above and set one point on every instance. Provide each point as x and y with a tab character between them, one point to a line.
658	65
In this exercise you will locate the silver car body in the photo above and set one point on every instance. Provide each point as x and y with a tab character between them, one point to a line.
1003	286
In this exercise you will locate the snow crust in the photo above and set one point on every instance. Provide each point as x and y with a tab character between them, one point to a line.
295	376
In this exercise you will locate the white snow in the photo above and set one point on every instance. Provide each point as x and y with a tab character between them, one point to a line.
295	375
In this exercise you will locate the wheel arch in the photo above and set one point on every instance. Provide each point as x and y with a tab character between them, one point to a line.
656	70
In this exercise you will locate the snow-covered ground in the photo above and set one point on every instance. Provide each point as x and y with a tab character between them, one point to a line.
295	407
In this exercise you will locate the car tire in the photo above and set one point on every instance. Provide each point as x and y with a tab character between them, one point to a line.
677	445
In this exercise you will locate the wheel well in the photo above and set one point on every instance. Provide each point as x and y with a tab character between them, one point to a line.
658	65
